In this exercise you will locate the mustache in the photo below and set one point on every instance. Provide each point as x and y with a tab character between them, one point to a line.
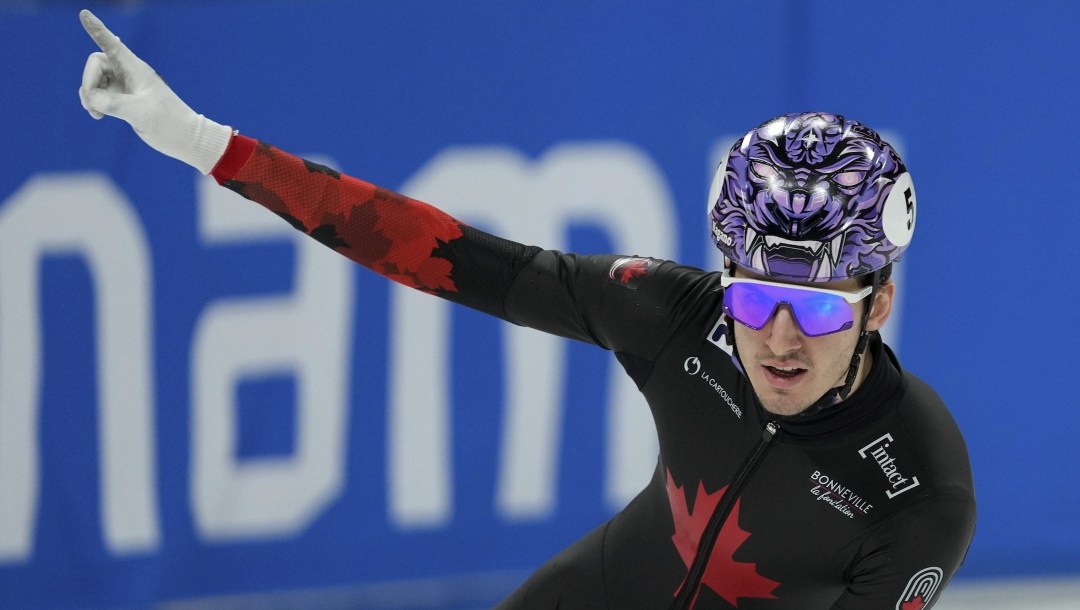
787	361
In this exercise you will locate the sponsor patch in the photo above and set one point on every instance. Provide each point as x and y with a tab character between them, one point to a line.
920	589
718	336
878	451
839	496
630	271
692	366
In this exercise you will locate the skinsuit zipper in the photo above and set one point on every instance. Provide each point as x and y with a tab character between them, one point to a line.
690	587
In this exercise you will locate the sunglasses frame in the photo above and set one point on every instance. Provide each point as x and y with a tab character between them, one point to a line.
851	297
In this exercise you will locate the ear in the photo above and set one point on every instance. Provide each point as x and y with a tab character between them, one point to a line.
882	306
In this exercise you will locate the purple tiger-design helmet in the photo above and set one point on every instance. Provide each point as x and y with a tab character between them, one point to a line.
812	197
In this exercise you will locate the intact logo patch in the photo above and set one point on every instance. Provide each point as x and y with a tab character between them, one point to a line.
630	271
878	450
920	589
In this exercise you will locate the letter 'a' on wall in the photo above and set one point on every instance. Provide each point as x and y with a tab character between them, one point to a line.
306	334
611	185
87	216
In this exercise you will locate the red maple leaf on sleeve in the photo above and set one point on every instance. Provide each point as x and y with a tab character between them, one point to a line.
633	270
624	270
916	604
387	232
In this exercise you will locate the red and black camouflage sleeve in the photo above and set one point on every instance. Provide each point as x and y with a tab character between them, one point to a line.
400	238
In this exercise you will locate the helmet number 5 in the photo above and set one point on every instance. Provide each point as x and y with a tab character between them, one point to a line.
909	200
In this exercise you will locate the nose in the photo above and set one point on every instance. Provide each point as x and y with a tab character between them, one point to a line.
783	334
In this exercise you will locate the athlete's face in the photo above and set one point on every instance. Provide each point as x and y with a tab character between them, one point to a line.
789	370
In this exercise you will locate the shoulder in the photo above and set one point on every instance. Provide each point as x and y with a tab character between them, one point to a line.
618	277
925	415
636	271
933	433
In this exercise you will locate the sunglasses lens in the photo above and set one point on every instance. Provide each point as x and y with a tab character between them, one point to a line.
817	313
821	314
750	304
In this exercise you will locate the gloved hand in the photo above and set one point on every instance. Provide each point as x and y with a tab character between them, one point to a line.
117	83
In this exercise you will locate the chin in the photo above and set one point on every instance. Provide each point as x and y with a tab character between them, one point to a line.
778	403
787	404
785	408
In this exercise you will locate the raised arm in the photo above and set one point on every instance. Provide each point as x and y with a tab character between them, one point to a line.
403	239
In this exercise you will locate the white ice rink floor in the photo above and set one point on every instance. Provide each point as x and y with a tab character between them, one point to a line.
1026	594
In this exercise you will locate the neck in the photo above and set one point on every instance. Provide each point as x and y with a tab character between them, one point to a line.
878	390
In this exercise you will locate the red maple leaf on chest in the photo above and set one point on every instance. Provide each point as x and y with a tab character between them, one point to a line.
730	579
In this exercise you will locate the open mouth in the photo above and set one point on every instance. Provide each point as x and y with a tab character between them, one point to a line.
788	372
784	376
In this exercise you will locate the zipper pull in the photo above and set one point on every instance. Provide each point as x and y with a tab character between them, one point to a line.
771	428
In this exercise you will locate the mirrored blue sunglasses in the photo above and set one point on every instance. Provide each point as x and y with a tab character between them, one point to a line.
817	311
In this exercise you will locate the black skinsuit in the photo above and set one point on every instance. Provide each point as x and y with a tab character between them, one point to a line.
867	505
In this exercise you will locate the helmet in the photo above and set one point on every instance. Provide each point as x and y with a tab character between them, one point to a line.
812	197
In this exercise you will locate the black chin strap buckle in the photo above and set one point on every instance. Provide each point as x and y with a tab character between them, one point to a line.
853	368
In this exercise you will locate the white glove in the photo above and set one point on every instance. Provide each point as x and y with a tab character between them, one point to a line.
117	83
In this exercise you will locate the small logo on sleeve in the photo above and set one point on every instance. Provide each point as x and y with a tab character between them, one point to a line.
878	450
630	271
920	589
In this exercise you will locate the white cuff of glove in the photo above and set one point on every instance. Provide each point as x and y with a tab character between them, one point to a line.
206	145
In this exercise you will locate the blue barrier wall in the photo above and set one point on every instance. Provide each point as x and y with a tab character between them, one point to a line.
194	402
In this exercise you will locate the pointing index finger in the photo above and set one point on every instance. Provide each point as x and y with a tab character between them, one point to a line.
105	39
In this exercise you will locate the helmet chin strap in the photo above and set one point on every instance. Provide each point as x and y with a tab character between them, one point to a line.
841	393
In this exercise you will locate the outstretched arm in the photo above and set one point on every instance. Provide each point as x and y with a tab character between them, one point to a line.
398	237
403	239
